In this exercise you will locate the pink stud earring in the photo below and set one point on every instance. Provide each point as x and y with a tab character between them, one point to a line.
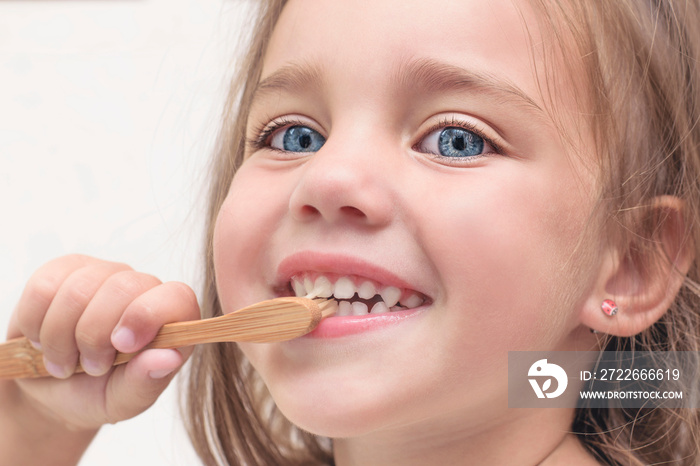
609	307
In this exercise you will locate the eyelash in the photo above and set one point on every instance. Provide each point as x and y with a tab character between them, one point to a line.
463	124
266	130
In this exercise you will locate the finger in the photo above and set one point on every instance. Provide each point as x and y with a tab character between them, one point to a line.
84	402
137	385
169	302
57	335
39	292
94	329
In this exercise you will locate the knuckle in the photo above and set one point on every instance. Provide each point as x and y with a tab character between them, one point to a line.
123	266
78	258
42	289
68	260
131	284
78	294
117	267
75	260
184	294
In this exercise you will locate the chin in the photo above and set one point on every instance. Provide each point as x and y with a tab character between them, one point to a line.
333	416
338	403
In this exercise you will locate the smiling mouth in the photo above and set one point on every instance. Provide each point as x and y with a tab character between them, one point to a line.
356	296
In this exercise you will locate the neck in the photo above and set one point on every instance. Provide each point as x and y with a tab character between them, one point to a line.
528	437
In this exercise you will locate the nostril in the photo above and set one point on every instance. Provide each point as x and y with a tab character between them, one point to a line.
352	211
309	211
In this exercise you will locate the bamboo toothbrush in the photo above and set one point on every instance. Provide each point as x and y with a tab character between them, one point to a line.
267	321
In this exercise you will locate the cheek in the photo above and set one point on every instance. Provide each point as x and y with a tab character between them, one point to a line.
510	260
245	221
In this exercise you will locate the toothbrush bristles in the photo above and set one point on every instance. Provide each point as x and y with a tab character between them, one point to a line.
328	307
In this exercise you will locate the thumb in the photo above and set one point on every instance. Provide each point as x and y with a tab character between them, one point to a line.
135	386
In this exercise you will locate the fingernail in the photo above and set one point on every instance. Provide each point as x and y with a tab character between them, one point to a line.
160	374
123	339
35	344
92	367
56	370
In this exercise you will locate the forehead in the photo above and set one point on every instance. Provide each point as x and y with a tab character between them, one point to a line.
348	42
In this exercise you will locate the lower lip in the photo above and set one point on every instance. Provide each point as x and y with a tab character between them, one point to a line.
335	327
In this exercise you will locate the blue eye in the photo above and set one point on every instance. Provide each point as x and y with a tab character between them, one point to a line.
458	142
454	142
297	139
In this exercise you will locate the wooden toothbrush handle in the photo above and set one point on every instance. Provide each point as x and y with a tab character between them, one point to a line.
20	359
273	320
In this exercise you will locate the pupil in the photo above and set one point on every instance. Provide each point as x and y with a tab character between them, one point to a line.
304	141
459	142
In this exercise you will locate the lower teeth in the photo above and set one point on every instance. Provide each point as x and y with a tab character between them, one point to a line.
379	308
358	308
344	308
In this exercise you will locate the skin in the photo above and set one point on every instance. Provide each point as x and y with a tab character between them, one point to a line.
508	247
433	387
74	307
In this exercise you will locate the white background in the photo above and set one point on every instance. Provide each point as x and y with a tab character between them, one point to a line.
108	113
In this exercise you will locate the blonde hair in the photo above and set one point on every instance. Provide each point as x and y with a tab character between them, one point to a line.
643	106
643	82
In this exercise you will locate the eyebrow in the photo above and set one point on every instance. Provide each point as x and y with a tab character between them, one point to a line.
292	78
425	74
437	77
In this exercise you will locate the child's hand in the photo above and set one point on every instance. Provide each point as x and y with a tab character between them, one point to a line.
83	309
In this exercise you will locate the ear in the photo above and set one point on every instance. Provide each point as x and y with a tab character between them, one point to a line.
643	281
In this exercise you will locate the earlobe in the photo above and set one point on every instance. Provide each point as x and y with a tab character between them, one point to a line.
645	277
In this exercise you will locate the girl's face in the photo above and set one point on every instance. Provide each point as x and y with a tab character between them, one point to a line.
403	149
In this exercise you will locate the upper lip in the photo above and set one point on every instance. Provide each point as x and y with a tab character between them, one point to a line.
310	261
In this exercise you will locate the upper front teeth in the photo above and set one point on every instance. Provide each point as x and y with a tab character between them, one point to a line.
323	287
345	288
367	290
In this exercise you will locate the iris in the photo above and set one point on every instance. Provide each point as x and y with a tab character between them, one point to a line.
302	139
459	142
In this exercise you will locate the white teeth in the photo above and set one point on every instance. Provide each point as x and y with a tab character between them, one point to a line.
412	301
344	309
359	308
379	308
344	288
367	290
322	287
308	285
390	295
298	287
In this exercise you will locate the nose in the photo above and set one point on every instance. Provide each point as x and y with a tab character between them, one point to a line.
344	183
